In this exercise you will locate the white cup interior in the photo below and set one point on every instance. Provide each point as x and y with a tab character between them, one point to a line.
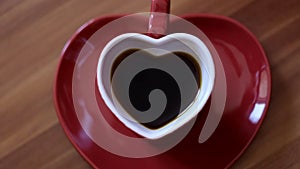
174	42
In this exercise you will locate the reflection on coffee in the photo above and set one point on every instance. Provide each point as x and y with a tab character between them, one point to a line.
149	79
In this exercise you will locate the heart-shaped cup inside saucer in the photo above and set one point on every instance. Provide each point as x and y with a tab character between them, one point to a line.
155	86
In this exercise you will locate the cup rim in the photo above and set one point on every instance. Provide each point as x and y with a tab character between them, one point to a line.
183	118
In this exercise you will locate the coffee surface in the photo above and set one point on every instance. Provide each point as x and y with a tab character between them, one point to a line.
150	79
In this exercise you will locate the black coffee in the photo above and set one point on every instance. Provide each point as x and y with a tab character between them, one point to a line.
149	79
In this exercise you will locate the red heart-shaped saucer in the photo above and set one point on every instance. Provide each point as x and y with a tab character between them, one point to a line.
248	90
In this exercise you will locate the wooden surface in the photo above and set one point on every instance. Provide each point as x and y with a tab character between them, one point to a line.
33	33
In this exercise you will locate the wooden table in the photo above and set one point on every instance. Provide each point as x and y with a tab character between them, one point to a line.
33	33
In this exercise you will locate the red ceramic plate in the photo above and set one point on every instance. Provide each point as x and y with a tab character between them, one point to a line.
248	86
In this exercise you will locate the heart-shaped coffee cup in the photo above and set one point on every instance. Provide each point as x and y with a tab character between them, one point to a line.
159	57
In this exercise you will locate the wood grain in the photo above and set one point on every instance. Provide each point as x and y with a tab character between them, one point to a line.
33	33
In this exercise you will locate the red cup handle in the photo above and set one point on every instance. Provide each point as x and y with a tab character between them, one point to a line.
159	19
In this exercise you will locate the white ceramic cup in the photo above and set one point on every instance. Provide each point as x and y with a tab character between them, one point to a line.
174	42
